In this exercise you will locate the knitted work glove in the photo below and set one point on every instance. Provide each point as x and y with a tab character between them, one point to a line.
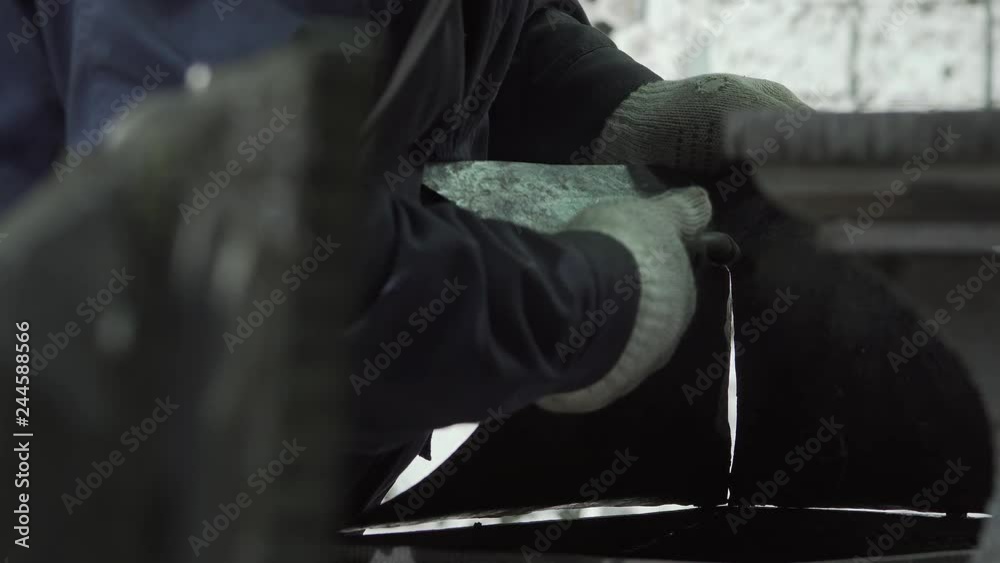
661	233
679	123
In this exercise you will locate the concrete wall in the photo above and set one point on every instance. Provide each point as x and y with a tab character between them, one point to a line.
869	55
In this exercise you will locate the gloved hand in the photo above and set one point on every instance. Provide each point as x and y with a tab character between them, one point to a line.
679	123
664	234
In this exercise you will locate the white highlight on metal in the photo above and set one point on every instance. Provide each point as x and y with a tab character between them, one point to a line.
197	77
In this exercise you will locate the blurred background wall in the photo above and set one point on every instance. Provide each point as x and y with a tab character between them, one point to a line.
867	55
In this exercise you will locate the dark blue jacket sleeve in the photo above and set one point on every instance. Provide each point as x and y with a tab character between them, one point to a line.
31	112
496	346
566	79
477	308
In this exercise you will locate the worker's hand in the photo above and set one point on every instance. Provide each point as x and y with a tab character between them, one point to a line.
665	234
680	123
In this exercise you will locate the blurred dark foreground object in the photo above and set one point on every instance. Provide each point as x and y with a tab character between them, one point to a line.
883	187
913	199
209	420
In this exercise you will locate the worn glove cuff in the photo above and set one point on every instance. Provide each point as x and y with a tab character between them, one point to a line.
679	123
656	231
